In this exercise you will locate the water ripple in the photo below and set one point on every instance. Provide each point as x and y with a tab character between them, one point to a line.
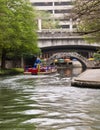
47	103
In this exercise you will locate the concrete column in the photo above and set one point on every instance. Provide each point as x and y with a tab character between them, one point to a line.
71	25
53	5
90	54
39	24
43	56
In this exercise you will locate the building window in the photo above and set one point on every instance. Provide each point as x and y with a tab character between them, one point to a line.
42	3
63	3
64	26
63	11
49	11
63	20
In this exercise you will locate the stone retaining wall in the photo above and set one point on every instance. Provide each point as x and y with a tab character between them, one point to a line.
87	84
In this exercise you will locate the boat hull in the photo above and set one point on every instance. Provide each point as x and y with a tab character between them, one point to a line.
41	73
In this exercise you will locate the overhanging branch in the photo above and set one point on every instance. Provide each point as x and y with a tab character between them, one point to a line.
89	32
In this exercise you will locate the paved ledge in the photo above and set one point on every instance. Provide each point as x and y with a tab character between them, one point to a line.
90	78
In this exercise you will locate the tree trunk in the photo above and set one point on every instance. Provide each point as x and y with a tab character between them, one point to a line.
22	62
3	59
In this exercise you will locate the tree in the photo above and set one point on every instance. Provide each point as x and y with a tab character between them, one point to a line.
87	12
48	22
17	28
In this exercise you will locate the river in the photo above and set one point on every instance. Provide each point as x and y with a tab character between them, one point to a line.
48	102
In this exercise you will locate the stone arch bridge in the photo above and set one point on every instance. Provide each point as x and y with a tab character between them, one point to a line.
54	41
85	62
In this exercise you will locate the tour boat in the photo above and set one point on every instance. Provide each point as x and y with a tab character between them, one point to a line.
40	71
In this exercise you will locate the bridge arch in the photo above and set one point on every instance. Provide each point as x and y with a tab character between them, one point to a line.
85	62
51	41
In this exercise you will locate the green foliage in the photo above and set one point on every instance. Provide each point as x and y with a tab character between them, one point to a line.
50	24
88	14
47	21
97	56
17	27
89	28
13	71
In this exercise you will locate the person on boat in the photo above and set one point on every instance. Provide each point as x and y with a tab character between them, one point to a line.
38	61
37	64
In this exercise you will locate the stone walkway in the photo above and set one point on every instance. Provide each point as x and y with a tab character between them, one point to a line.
89	78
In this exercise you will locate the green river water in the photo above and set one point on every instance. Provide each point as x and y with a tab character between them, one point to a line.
48	102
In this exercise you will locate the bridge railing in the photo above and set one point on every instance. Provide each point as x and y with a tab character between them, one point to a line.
58	33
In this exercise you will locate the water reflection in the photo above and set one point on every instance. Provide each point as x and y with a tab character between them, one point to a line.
70	72
47	103
12	104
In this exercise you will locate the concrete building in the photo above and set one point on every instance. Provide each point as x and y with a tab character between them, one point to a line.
59	10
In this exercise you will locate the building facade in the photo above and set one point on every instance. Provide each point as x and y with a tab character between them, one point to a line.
60	11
